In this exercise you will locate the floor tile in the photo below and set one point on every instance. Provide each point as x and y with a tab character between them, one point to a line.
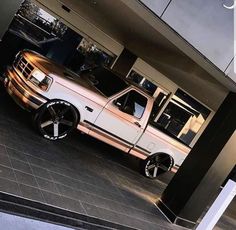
62	179
53	199
14	144
41	172
46	185
4	160
2	149
72	193
36	161
16	154
31	193
101	202
106	214
9	187
21	166
73	205
26	179
7	173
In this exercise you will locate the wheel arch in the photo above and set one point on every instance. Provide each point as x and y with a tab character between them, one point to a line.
77	106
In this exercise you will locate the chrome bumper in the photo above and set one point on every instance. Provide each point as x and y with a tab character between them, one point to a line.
20	92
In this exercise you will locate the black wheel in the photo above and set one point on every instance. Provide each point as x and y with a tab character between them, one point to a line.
56	119
156	164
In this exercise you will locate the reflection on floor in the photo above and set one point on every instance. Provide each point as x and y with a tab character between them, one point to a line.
78	174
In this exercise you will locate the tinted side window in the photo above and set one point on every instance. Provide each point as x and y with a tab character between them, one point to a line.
132	103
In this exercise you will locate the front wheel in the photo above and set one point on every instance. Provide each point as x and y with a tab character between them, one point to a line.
156	164
56	119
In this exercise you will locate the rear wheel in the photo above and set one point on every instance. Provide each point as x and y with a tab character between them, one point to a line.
56	119
156	164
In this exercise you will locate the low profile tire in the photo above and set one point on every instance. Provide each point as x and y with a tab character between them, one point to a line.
156	164
56	119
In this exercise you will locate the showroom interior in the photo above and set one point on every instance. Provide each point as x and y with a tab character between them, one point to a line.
185	49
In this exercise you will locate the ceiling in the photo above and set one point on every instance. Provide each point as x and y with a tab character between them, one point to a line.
147	41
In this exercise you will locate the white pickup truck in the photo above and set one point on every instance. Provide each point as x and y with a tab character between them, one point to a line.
97	102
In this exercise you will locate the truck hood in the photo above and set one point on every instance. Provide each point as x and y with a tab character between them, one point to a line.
49	67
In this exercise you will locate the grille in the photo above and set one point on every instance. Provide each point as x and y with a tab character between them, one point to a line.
24	66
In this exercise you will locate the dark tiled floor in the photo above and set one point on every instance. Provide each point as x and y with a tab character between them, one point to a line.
78	174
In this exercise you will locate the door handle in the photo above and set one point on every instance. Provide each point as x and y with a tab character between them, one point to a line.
89	109
136	123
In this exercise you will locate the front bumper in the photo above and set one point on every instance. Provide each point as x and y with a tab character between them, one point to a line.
22	94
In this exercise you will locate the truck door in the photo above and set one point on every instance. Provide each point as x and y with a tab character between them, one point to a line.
122	120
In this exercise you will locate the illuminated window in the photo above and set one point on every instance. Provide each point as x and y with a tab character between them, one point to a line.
182	118
142	82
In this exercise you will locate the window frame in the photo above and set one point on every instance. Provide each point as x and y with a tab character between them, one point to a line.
197	135
126	92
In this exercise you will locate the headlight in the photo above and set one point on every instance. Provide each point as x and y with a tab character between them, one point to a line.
40	79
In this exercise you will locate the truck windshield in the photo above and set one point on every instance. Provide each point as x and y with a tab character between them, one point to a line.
106	82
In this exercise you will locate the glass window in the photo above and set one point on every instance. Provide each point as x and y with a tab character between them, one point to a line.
132	103
33	23
158	104
135	77
87	55
105	81
38	30
142	82
182	118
